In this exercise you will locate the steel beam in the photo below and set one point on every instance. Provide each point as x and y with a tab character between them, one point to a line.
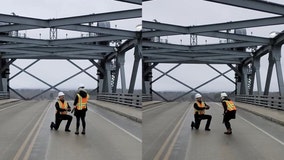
101	17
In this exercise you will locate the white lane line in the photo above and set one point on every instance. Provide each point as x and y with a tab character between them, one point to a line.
8	108
132	135
263	131
271	136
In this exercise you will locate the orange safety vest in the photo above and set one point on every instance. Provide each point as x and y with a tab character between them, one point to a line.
230	105
200	105
82	102
63	105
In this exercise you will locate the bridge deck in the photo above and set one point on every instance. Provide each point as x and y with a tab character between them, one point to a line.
25	134
253	136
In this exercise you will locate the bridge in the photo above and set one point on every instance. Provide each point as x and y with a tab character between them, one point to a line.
163	126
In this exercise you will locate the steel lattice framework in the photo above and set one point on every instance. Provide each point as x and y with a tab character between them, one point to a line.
241	52
95	47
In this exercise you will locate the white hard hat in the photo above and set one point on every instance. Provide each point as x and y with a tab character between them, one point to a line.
224	95
60	94
81	85
198	95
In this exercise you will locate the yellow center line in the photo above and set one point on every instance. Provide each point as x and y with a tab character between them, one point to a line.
170	149
23	146
161	150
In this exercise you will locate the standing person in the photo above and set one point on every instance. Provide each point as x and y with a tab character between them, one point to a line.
229	112
62	108
199	113
80	107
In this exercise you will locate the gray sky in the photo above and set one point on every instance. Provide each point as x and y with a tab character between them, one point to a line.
179	12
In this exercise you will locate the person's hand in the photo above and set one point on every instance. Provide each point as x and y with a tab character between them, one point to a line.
207	107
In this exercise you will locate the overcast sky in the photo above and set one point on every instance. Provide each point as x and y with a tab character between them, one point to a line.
179	12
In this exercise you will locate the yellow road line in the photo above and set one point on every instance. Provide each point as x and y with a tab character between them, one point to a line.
170	149
160	152
23	146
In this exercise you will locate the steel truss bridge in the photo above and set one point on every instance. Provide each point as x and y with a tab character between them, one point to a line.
240	51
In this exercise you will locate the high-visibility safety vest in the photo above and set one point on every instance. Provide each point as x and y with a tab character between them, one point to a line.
63	105
82	102
200	105
230	105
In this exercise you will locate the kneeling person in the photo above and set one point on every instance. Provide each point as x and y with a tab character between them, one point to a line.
62	108
199	113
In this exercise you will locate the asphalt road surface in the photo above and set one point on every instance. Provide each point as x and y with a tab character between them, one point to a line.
25	135
167	135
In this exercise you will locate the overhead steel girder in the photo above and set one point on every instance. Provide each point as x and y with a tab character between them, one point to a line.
24	40
60	41
119	15
195	53
190	61
237	37
211	27
101	17
138	2
86	40
278	40
16	27
23	20
263	6
92	29
61	48
199	47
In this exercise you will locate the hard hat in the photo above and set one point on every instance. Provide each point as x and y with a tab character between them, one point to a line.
81	85
198	95
224	95
60	94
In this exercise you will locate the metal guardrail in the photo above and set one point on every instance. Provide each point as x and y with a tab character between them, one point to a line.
4	95
133	100
275	102
146	98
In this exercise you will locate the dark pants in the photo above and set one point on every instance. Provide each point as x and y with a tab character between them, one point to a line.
59	118
227	117
198	119
80	114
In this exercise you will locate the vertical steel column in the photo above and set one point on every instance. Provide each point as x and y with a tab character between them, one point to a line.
269	74
256	66
276	52
147	78
244	83
100	73
121	61
137	57
107	79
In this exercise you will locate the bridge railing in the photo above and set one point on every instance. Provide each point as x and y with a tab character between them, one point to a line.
4	95
276	102
133	100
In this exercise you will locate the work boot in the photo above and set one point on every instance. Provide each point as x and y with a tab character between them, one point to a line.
229	131
52	125
77	131
192	124
83	132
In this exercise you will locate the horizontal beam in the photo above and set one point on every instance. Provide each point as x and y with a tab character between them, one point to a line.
212	27
138	2
101	17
